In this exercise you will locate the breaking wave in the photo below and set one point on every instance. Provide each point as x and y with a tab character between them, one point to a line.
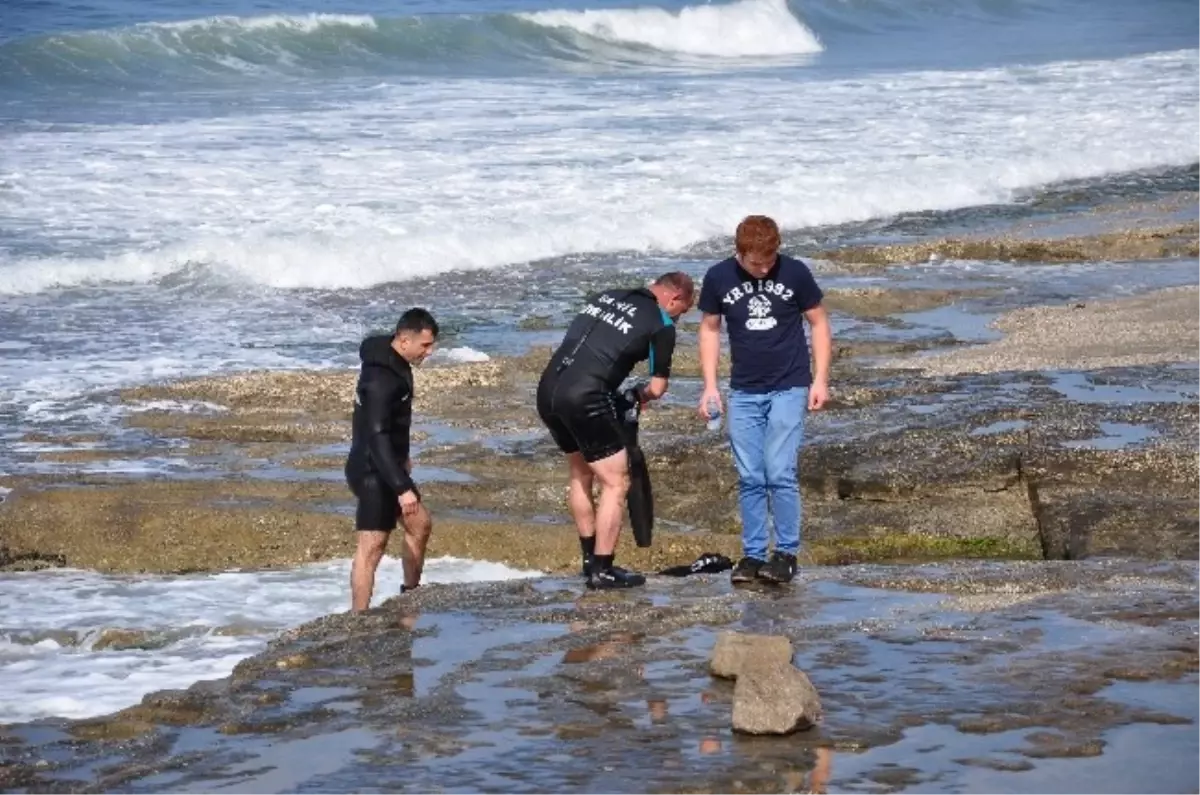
302	45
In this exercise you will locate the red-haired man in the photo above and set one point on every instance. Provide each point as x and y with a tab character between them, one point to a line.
764	297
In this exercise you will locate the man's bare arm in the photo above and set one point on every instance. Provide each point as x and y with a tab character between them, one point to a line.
710	349
710	356
822	353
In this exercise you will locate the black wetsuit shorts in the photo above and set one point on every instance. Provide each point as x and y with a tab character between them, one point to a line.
378	503
581	415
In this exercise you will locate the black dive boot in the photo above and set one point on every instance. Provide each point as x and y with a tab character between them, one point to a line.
604	575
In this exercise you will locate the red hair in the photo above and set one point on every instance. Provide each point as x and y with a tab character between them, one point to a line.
757	234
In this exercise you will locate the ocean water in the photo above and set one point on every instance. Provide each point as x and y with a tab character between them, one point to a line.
211	186
205	187
57	652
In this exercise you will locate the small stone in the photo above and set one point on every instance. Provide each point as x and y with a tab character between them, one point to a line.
732	649
292	661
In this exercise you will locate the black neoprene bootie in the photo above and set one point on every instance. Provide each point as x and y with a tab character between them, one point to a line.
604	575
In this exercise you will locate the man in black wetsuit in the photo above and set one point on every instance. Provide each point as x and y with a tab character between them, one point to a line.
378	469
577	402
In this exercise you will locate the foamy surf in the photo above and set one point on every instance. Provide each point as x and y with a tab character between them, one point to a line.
460	355
196	627
223	48
744	28
426	180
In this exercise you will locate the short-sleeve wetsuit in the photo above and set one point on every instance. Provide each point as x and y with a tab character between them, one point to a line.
615	330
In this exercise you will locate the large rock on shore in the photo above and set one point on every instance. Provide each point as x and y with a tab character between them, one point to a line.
772	697
734	650
900	466
1132	504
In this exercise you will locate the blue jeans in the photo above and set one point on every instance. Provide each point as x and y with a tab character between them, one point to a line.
765	431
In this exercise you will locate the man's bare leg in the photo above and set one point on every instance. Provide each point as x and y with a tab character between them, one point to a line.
417	529
613	474
579	500
371	545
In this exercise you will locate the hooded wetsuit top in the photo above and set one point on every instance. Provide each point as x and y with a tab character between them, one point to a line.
382	415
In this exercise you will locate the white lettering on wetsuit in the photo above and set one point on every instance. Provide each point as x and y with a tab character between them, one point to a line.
613	318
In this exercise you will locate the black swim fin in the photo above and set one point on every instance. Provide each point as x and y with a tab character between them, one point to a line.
640	500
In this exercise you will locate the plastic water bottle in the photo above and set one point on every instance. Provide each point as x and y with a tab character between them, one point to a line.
713	409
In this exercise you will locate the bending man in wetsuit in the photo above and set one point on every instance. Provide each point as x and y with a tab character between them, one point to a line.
378	469
577	402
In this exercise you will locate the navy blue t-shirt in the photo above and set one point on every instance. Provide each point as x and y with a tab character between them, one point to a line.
765	321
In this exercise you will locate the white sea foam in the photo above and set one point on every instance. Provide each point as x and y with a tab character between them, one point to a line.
50	620
460	355
743	28
426	178
301	22
121	341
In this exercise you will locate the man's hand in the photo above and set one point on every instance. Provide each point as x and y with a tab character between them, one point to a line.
647	392
409	503
709	393
818	395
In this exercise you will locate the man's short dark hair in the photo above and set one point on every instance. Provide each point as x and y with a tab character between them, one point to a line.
417	320
678	280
